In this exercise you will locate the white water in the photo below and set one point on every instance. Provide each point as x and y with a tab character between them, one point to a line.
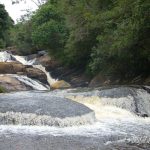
45	120
107	107
114	125
23	60
5	57
50	80
35	85
102	134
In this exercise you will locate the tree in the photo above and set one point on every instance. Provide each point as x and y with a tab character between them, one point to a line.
49	31
123	43
5	24
111	36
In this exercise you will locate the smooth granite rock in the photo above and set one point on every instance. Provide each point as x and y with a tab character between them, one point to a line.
39	108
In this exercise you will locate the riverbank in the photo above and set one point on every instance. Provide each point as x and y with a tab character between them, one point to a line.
47	70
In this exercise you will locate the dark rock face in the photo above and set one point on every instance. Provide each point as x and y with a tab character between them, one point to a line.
99	80
37	74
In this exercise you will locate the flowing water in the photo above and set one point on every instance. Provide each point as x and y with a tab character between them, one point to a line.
7	57
121	121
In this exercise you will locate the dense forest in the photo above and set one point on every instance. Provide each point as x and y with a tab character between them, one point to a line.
110	37
6	23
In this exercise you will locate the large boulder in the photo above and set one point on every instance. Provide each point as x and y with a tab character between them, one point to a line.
40	108
37	74
48	62
11	67
10	83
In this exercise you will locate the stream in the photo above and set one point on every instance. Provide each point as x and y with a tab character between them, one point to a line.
104	118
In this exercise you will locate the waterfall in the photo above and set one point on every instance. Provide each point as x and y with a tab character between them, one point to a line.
35	85
49	78
30	82
121	102
7	57
24	61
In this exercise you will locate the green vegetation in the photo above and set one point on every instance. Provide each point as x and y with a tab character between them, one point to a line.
2	90
5	24
111	36
49	30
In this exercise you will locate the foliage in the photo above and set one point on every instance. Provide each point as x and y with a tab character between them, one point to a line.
5	25
21	38
21	35
111	36
49	31
123	44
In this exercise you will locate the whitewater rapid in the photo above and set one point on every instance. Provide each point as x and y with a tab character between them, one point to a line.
117	124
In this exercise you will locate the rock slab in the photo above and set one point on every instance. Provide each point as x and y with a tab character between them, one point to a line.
37	108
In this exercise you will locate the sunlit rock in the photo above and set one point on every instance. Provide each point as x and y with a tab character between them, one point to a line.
60	85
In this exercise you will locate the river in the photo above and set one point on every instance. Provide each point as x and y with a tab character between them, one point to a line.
104	118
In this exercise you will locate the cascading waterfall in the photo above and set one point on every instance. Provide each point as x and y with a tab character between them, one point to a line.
35	85
24	61
30	82
7	57
50	80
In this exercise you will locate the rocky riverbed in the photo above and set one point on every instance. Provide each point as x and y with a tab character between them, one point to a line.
35	117
118	124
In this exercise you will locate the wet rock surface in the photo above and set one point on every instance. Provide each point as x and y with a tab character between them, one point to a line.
43	109
10	83
133	99
17	68
128	132
14	82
